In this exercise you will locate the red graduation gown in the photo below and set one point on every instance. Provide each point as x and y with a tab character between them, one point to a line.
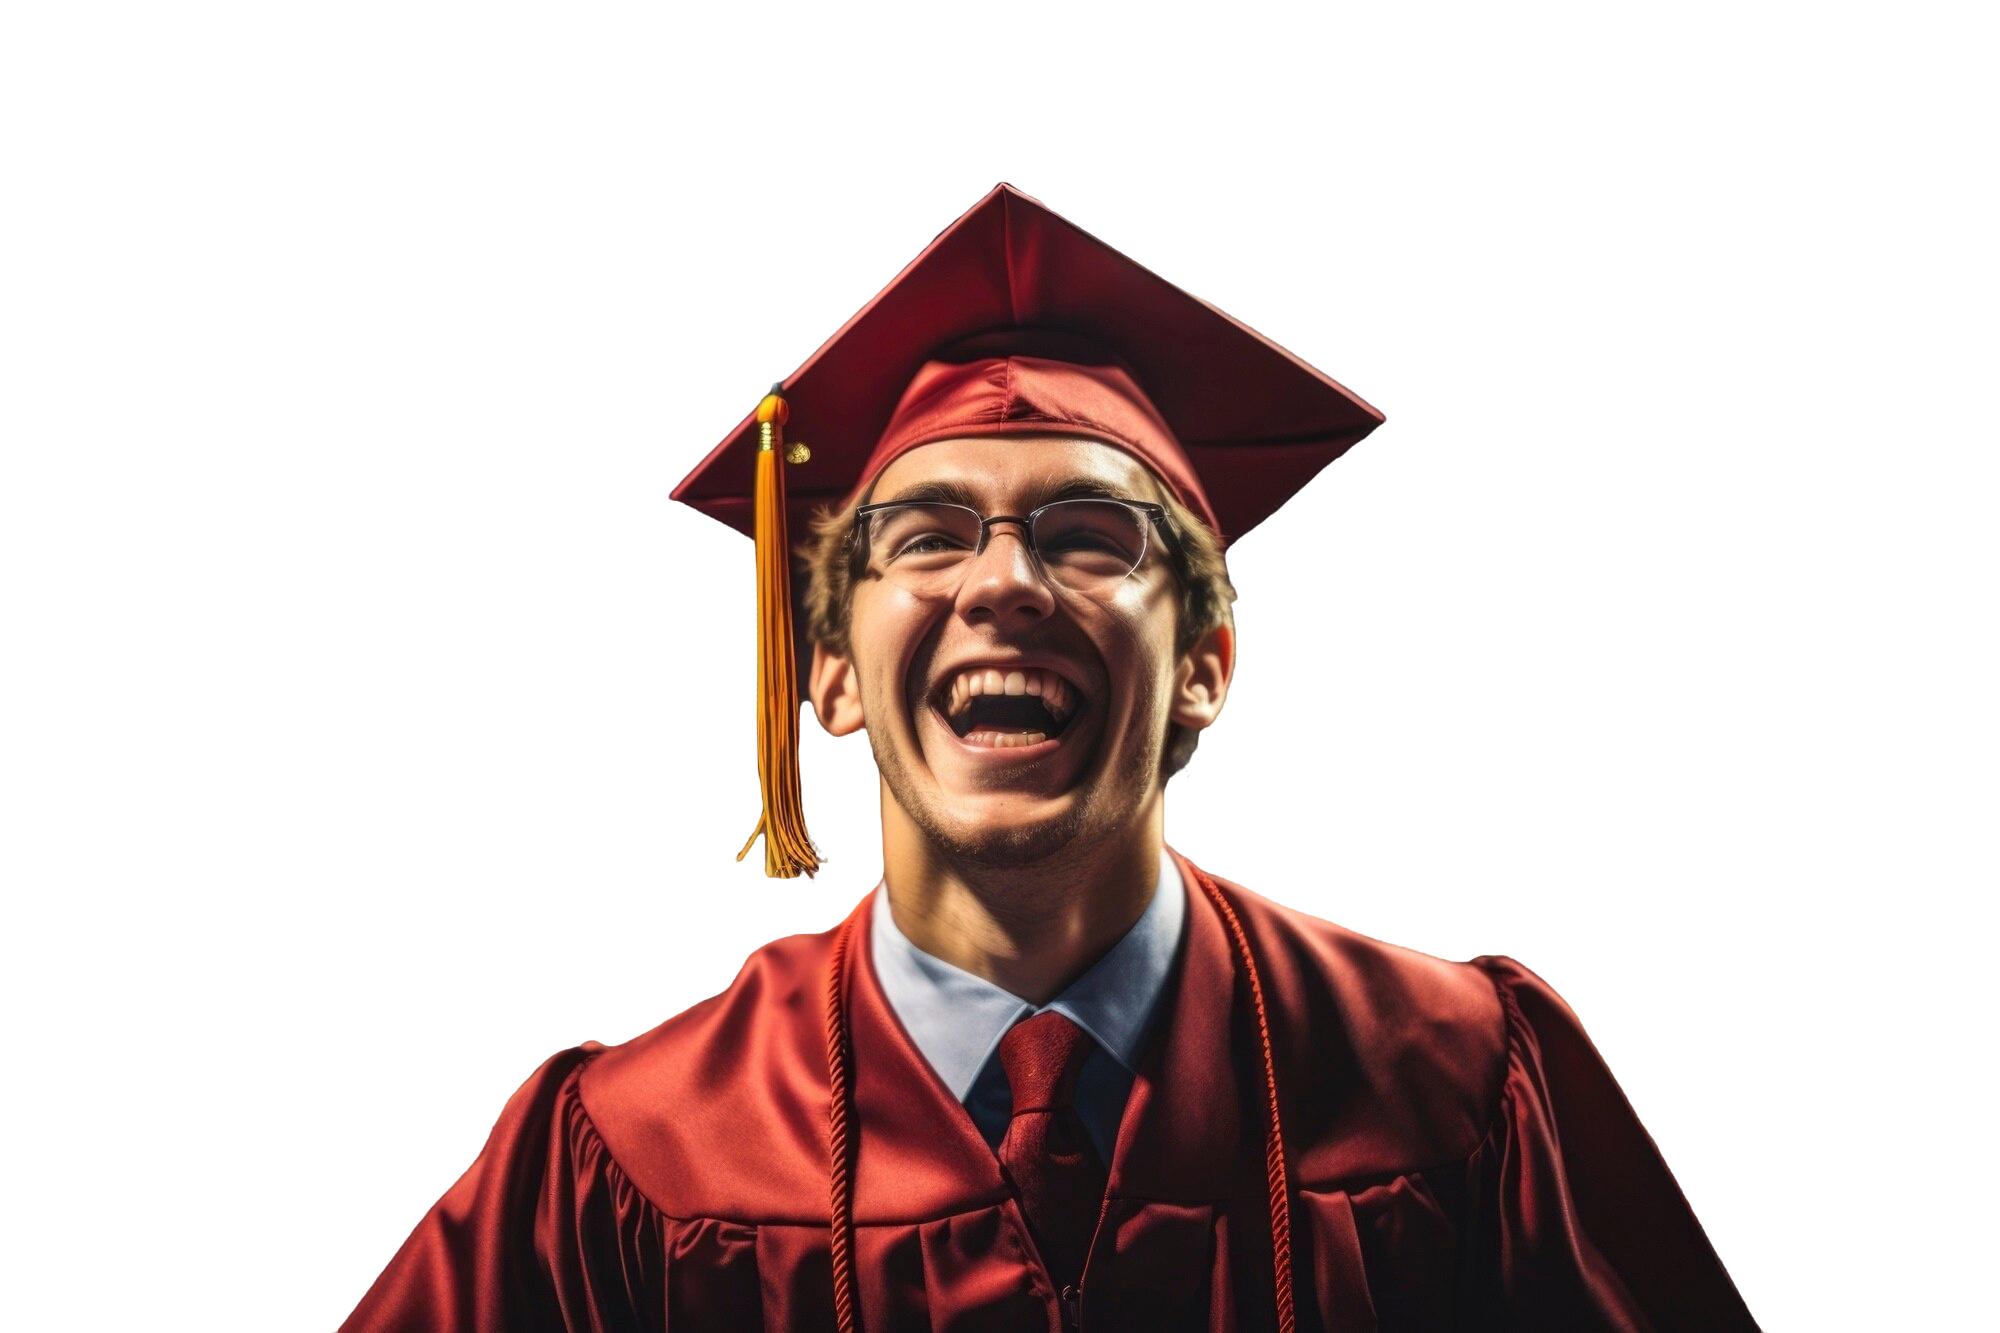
1459	1157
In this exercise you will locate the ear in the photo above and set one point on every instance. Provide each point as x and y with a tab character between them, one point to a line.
836	695
1201	682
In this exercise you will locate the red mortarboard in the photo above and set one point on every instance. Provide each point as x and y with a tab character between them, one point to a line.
1013	321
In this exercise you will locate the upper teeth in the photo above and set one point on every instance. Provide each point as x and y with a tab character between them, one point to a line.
1051	689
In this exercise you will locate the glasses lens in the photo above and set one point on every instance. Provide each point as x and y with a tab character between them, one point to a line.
1088	544
919	542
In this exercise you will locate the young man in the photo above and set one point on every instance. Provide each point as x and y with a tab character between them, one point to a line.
1050	1075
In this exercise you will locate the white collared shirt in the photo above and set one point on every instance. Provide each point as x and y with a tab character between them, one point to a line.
956	1019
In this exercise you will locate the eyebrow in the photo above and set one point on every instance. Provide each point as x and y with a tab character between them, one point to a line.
952	492
937	492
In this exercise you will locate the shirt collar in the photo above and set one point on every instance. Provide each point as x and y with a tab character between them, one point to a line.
956	1019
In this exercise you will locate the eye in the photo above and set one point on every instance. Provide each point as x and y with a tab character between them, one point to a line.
1085	541
928	543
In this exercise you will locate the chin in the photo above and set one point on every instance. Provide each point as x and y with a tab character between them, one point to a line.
1002	845
1012	830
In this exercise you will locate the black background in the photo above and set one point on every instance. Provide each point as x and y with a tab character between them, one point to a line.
1507	679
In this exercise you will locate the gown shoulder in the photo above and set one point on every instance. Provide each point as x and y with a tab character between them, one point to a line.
1464	1101
544	1224
1389	1060
1594	1230
716	1112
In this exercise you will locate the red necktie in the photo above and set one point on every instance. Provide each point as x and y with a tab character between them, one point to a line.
1046	1152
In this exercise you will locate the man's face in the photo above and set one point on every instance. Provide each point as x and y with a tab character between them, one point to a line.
925	662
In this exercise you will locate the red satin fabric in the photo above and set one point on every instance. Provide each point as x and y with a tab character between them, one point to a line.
1460	1158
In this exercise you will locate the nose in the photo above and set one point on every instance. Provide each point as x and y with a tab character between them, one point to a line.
1004	583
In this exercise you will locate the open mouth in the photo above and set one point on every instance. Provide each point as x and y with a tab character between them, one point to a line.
992	708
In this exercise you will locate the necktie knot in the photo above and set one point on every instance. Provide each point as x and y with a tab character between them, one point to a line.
1041	1058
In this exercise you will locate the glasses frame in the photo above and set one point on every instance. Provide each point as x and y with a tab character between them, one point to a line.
1157	513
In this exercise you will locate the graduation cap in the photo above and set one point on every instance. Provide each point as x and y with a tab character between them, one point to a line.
1012	322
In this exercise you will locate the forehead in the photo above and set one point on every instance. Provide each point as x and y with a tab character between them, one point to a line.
1016	472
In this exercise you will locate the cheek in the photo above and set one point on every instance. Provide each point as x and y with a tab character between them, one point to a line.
1137	640
886	627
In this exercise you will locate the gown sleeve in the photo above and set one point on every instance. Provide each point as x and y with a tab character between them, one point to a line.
1592	1231
543	1232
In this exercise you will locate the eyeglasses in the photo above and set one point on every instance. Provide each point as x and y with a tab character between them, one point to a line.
1087	546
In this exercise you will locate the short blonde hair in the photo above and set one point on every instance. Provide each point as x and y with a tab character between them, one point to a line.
1193	551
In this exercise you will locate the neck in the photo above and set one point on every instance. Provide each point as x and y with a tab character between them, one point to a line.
1029	929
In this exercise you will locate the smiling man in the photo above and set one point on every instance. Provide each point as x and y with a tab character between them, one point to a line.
1049	1074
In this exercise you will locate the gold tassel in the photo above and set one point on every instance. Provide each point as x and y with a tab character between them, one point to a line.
788	849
